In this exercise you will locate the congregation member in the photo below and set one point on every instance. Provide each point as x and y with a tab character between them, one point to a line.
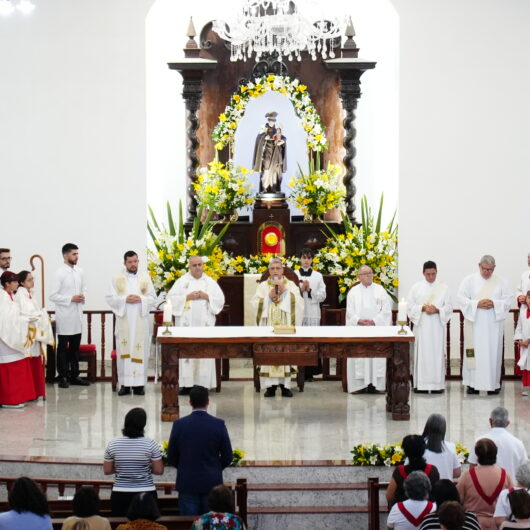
367	304
5	260
86	508
68	295
133	459
503	512
444	491
413	447
277	302
438	451
522	337
511	452
313	291
522	288
520	507
429	309
222	512
29	508
142	514
196	299
131	298
485	300
480	486
409	513
200	448
21	379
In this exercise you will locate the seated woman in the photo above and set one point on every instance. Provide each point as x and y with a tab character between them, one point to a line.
29	508
520	505
413	446
409	514
142	514
480	485
86	509
221	515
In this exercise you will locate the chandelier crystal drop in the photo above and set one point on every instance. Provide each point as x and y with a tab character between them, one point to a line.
265	27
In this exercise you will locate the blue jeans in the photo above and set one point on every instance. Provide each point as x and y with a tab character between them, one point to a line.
193	503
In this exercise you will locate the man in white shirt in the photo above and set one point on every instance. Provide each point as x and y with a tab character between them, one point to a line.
522	288
68	295
5	260
511	452
367	304
131	297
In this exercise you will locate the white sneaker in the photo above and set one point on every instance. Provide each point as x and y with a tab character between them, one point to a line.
19	406
525	393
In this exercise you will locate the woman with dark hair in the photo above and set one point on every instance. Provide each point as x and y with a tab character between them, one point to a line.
86	508
480	486
520	505
438	452
221	515
413	446
142	514
29	508
134	459
443	491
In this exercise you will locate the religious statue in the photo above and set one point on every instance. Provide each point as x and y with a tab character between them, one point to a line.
270	156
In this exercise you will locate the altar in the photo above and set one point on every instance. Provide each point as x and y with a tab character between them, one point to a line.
300	349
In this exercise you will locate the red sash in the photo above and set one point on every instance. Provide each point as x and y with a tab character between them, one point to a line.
490	499
416	521
404	474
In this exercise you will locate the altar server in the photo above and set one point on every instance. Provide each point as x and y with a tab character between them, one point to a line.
131	298
429	308
196	300
367	304
522	336
522	288
277	302
485	300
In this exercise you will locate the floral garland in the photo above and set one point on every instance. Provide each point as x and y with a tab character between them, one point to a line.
224	132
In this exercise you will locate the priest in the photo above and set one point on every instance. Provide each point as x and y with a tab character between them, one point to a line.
367	304
485	300
131	297
522	288
429	308
196	299
277	302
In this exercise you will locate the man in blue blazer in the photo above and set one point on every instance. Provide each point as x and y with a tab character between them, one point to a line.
199	447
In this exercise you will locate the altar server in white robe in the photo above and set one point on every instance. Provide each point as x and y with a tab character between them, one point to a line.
196	300
131	297
485	300
367	304
429	308
522	337
277	302
524	284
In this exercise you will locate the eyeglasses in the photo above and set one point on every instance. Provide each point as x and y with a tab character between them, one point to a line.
366	274
487	269
7	258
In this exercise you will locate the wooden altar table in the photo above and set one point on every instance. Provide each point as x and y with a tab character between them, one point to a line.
300	349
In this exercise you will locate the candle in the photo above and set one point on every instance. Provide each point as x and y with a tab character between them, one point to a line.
402	311
168	313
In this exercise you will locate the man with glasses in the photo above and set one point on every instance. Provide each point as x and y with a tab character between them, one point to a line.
485	300
5	260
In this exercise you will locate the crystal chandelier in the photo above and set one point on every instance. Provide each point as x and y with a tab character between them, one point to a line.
7	7
277	26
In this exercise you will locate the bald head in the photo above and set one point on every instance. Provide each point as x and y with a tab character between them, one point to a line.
196	266
366	275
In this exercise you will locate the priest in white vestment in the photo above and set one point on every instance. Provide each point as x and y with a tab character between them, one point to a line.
367	304
196	300
524	285
485	300
131	297
429	308
277	302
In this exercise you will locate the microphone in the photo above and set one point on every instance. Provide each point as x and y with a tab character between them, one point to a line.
276	288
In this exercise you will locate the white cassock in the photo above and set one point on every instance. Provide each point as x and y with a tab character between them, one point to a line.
133	325
524	284
430	332
13	330
313	298
522	332
483	330
196	313
289	312
370	303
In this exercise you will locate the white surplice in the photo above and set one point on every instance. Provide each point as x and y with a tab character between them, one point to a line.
488	330
13	330
288	311
313	298
133	326
524	284
430	332
522	332
67	282
367	303
196	313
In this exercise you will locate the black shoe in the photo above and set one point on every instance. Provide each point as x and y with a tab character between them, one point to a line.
286	392
310	379
63	383
124	390
471	390
493	392
185	391
77	381
138	390
437	391
416	391
270	392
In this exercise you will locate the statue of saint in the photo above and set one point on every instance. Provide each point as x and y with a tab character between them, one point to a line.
270	156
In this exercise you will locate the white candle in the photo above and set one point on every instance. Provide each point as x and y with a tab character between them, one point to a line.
402	311
168	312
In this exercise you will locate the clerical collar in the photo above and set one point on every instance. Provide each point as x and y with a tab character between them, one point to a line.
306	272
